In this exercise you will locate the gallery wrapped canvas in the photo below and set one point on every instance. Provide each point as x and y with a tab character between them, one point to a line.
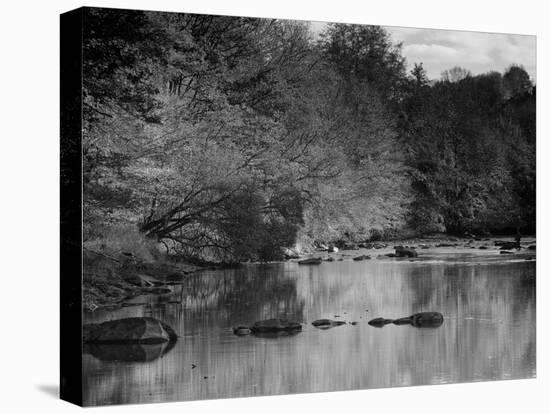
255	206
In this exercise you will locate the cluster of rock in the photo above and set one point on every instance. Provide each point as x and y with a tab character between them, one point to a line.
505	247
278	326
419	320
283	326
400	251
150	331
334	248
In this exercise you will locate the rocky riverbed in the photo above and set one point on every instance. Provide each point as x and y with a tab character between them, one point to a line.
425	248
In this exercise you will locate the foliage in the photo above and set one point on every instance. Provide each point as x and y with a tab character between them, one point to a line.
472	162
229	139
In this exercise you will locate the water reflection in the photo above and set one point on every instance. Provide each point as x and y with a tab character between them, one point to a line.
488	333
128	352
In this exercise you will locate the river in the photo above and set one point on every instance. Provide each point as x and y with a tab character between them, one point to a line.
489	331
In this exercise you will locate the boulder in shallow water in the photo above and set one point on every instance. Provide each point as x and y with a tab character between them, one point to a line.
401	251
275	325
327	323
426	319
310	261
137	330
379	322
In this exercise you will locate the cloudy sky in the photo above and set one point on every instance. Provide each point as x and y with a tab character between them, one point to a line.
479	52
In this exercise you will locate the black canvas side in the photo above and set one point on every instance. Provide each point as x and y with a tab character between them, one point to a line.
71	207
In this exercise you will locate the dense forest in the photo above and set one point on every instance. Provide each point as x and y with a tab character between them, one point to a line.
230	139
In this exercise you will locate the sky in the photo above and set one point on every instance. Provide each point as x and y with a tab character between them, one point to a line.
479	52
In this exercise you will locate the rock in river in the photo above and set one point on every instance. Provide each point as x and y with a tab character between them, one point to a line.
418	320
275	325
326	323
379	322
311	261
426	319
135	330
241	330
401	251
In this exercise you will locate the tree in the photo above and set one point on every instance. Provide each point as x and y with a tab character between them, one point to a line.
465	148
366	53
455	74
419	77
516	81
229	139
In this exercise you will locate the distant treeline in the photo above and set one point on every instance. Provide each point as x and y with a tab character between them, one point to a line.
229	138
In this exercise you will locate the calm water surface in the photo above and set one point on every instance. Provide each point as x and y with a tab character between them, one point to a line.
488	333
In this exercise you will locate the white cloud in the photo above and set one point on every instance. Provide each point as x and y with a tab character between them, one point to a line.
479	52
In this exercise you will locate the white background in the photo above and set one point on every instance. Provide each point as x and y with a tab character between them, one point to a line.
29	236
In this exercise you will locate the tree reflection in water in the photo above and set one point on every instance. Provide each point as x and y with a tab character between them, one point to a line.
488	331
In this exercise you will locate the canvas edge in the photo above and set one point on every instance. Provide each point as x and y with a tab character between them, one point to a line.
71	206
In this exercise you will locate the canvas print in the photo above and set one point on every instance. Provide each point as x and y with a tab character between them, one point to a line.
276	206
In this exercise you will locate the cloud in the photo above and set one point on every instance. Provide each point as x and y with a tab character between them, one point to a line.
479	52
476	51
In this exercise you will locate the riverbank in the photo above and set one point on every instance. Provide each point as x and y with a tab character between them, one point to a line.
112	279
